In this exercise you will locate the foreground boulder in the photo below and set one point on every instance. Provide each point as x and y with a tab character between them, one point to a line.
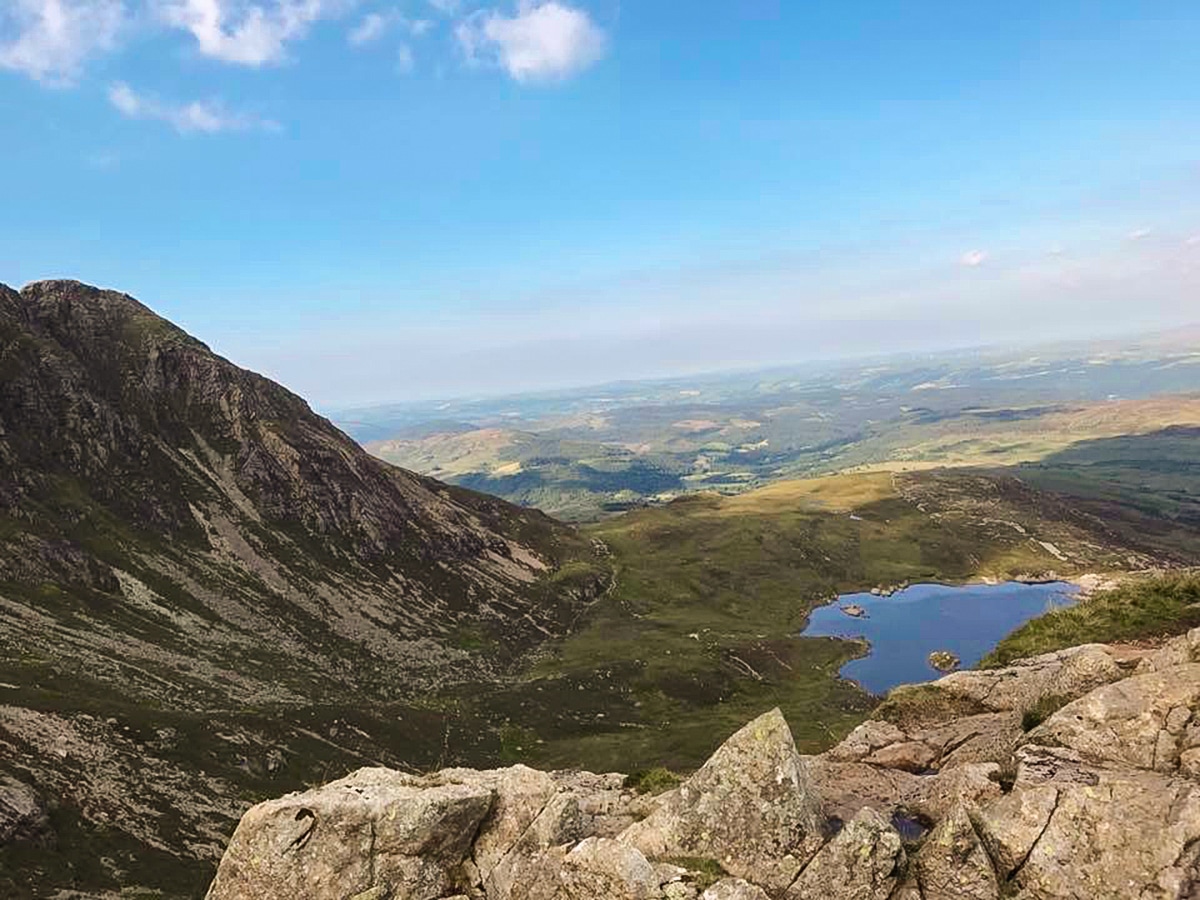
375	830
862	862
1101	799
751	807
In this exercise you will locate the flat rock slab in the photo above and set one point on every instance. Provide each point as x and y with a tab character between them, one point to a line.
1137	722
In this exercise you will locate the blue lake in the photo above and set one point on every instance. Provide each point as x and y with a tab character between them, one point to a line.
903	629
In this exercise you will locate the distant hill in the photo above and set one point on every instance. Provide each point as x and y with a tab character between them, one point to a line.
585	457
180	535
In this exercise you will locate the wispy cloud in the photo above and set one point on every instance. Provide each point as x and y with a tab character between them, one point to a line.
406	62
1139	234
205	117
103	160
973	258
370	28
50	40
446	7
248	34
543	41
375	25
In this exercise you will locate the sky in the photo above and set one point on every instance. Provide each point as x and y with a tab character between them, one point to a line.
378	201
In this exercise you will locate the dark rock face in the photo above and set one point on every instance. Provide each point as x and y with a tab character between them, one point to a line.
22	815
182	535
133	451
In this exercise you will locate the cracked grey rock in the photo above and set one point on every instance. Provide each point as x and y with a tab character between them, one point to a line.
1132	836
1010	826
953	864
1126	723
861	862
751	807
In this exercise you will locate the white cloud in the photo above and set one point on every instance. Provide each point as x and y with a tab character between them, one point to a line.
446	7
544	41
372	27
1138	234
973	258
375	25
249	34
50	40
405	61
206	117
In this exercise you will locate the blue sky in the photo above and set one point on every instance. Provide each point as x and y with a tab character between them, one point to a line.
375	201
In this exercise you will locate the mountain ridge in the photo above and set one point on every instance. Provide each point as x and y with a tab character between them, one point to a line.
208	592
112	416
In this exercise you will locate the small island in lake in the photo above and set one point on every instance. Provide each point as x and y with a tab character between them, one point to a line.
853	609
944	660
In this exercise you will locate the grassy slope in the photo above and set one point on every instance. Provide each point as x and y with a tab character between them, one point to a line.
1150	482
700	631
1141	608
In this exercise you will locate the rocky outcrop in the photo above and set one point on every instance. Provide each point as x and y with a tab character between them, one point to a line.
22	815
863	861
1099	800
751	807
1142	722
1067	673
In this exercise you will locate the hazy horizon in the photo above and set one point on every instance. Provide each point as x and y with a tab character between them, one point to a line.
980	353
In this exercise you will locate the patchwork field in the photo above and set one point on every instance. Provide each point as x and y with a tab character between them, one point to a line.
583	455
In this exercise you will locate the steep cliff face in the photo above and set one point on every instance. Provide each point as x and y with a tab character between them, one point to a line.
202	582
161	498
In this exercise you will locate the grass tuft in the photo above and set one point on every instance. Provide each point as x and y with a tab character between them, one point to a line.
1043	709
914	706
652	781
705	872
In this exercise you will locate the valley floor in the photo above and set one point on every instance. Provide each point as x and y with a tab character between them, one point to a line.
697	634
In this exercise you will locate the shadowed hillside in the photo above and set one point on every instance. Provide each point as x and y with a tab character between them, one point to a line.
180	539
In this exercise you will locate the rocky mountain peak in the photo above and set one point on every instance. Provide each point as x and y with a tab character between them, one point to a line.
140	462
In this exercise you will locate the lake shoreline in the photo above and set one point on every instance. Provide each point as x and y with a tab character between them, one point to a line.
904	630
